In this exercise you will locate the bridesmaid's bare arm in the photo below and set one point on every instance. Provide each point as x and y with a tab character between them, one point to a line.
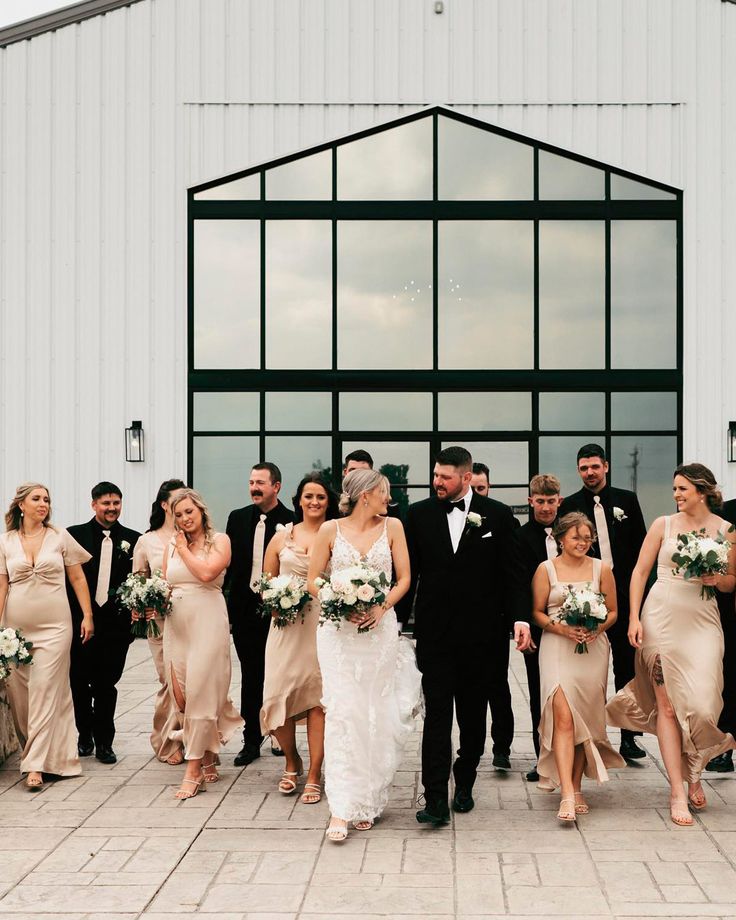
320	557
647	557
217	560
80	587
540	599
4	585
271	561
608	587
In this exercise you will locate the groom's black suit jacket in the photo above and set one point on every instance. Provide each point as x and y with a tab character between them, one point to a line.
462	598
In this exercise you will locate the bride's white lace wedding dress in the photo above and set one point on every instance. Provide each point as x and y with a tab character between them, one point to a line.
371	691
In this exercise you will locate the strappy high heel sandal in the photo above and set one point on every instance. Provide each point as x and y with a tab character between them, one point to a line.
213	776
312	794
680	814
198	784
581	807
35	783
697	800
337	833
363	825
567	814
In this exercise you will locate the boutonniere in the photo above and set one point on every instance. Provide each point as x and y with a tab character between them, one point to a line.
124	546
280	527
619	515
474	519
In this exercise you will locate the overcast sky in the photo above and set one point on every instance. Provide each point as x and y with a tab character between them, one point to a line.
16	10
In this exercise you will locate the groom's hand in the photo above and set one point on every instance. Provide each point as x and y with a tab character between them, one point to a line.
522	637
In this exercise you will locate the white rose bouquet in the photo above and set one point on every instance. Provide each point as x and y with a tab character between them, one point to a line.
350	591
698	554
138	593
583	607
283	597
15	650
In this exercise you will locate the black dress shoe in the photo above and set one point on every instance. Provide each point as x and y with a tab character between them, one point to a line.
85	746
501	762
435	813
463	800
105	754
532	776
721	764
247	754
630	750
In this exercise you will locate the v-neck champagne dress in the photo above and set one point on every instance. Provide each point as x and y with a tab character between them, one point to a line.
40	694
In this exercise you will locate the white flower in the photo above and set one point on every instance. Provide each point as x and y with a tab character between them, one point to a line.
365	593
474	519
125	546
286	602
326	594
350	599
619	515
319	582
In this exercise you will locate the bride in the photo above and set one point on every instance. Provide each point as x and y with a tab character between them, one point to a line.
370	682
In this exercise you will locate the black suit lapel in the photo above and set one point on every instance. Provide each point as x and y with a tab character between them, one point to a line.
468	531
443	528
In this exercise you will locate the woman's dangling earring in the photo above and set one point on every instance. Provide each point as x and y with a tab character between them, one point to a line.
365	502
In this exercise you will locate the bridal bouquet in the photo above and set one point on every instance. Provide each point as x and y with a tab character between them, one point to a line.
352	590
138	593
15	650
583	607
698	554
283	597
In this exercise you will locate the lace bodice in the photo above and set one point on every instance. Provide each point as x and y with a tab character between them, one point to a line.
378	557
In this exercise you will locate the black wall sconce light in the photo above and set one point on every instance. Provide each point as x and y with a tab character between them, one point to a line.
732	442
134	443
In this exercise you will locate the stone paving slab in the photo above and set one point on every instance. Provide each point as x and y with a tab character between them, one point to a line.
114	844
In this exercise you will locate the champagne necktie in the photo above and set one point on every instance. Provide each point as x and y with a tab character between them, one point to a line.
601	525
259	542
103	573
550	544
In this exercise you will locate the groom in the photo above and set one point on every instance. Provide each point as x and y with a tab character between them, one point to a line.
459	546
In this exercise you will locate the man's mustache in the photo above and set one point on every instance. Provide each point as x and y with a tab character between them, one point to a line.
255	492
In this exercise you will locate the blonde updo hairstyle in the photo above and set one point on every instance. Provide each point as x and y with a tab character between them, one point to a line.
704	481
197	500
14	515
356	483
572	521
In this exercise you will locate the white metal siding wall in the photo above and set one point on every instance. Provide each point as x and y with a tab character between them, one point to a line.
104	125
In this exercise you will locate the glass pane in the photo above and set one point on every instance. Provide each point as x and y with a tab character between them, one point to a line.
227	412
558	456
246	189
645	465
403	496
643	293
572	293
307	179
572	411
227	293
400	461
623	188
484	411
298	293
482	166
634	411
293	411
296	457
508	461
385	411
221	467
486	300
384	294
393	164
516	498
561	178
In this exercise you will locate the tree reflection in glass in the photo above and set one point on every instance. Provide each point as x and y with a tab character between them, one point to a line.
645	464
220	467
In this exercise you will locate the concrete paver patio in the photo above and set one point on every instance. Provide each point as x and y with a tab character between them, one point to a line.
115	844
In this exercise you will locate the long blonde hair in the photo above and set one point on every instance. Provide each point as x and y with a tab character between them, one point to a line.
14	515
198	502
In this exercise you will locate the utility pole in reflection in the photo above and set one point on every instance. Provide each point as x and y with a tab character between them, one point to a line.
634	467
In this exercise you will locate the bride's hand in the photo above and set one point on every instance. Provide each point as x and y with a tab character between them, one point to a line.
370	619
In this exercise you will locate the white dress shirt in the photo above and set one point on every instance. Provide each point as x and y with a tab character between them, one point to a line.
456	519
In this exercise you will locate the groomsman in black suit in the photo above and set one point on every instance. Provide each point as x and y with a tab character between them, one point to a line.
98	665
459	547
499	692
250	530
621	530
727	721
534	544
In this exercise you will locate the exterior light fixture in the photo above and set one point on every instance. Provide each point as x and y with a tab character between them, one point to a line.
134	443
731	442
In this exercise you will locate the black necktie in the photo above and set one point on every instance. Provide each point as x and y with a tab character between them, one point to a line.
450	506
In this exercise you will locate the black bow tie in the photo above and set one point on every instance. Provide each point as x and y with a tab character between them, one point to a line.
450	506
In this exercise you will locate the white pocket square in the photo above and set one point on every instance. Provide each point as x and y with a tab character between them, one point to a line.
486	535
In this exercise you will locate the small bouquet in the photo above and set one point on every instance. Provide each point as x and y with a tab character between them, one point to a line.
698	554
583	607
138	593
15	650
283	597
353	590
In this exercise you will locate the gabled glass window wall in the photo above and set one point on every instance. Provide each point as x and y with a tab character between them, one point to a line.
433	281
